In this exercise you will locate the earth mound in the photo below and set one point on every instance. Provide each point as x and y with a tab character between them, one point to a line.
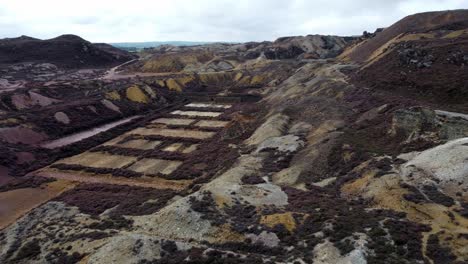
422	57
67	51
220	57
417	23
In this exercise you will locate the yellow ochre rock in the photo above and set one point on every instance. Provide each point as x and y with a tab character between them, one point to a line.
185	79
160	83
258	80
216	78
114	95
173	85
286	219
134	93
238	76
245	80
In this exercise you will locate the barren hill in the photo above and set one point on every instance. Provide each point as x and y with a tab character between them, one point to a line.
66	51
418	23
423	56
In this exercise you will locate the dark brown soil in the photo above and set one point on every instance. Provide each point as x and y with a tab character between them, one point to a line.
433	194
66	51
202	109
252	179
442	83
196	256
89	236
96	198
207	207
243	217
349	217
437	196
115	172
29	250
58	256
25	182
4	175
463	211
115	222
414	194
422	22
438	253
275	161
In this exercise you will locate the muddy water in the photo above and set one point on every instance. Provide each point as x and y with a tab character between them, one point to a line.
85	134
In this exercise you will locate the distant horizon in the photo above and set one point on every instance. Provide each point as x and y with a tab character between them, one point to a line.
135	46
194	42
170	41
185	41
120	21
127	42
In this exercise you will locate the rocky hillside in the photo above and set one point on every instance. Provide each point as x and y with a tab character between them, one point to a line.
420	23
67	51
247	153
422	56
225	57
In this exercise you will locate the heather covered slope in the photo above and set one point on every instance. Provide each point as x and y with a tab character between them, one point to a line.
422	57
434	69
418	23
67	51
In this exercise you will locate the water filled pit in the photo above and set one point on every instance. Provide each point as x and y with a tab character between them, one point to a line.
85	134
196	113
206	105
147	166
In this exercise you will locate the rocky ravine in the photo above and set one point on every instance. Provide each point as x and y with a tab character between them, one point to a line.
269	160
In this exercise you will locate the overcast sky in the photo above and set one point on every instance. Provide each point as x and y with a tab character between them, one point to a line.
204	20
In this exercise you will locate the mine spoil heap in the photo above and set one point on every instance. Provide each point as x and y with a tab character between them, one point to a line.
307	149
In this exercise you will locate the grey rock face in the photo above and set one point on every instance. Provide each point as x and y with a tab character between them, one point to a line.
422	122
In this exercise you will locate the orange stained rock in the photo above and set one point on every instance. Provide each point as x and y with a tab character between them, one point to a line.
16	203
386	192
287	219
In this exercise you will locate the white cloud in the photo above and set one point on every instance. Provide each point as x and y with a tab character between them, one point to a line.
204	20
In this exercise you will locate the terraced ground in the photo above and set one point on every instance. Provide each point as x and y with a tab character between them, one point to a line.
149	155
